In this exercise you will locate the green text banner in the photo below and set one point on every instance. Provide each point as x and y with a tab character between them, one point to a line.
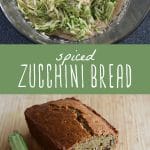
85	69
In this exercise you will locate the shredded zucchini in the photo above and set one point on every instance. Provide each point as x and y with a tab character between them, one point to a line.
76	17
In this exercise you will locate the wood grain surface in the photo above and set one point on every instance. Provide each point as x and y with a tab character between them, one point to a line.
130	114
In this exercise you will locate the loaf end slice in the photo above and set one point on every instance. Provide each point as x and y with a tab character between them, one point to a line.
67	124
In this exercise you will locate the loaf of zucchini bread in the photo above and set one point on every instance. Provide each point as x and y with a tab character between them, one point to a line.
67	124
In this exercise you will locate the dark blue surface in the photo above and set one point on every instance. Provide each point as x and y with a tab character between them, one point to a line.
9	35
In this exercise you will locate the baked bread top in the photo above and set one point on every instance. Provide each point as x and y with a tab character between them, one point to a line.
67	122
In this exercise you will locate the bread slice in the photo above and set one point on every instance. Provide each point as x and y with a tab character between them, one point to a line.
67	124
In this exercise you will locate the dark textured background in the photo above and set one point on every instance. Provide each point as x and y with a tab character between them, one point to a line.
8	34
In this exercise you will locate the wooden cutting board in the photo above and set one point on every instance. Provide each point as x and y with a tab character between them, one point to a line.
130	114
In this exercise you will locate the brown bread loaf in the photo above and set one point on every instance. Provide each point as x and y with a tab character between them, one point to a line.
67	124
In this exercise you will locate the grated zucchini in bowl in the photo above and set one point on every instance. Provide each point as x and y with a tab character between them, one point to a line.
77	18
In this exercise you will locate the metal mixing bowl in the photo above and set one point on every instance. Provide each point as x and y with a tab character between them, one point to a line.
131	16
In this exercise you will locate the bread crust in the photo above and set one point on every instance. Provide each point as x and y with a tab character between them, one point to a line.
55	124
